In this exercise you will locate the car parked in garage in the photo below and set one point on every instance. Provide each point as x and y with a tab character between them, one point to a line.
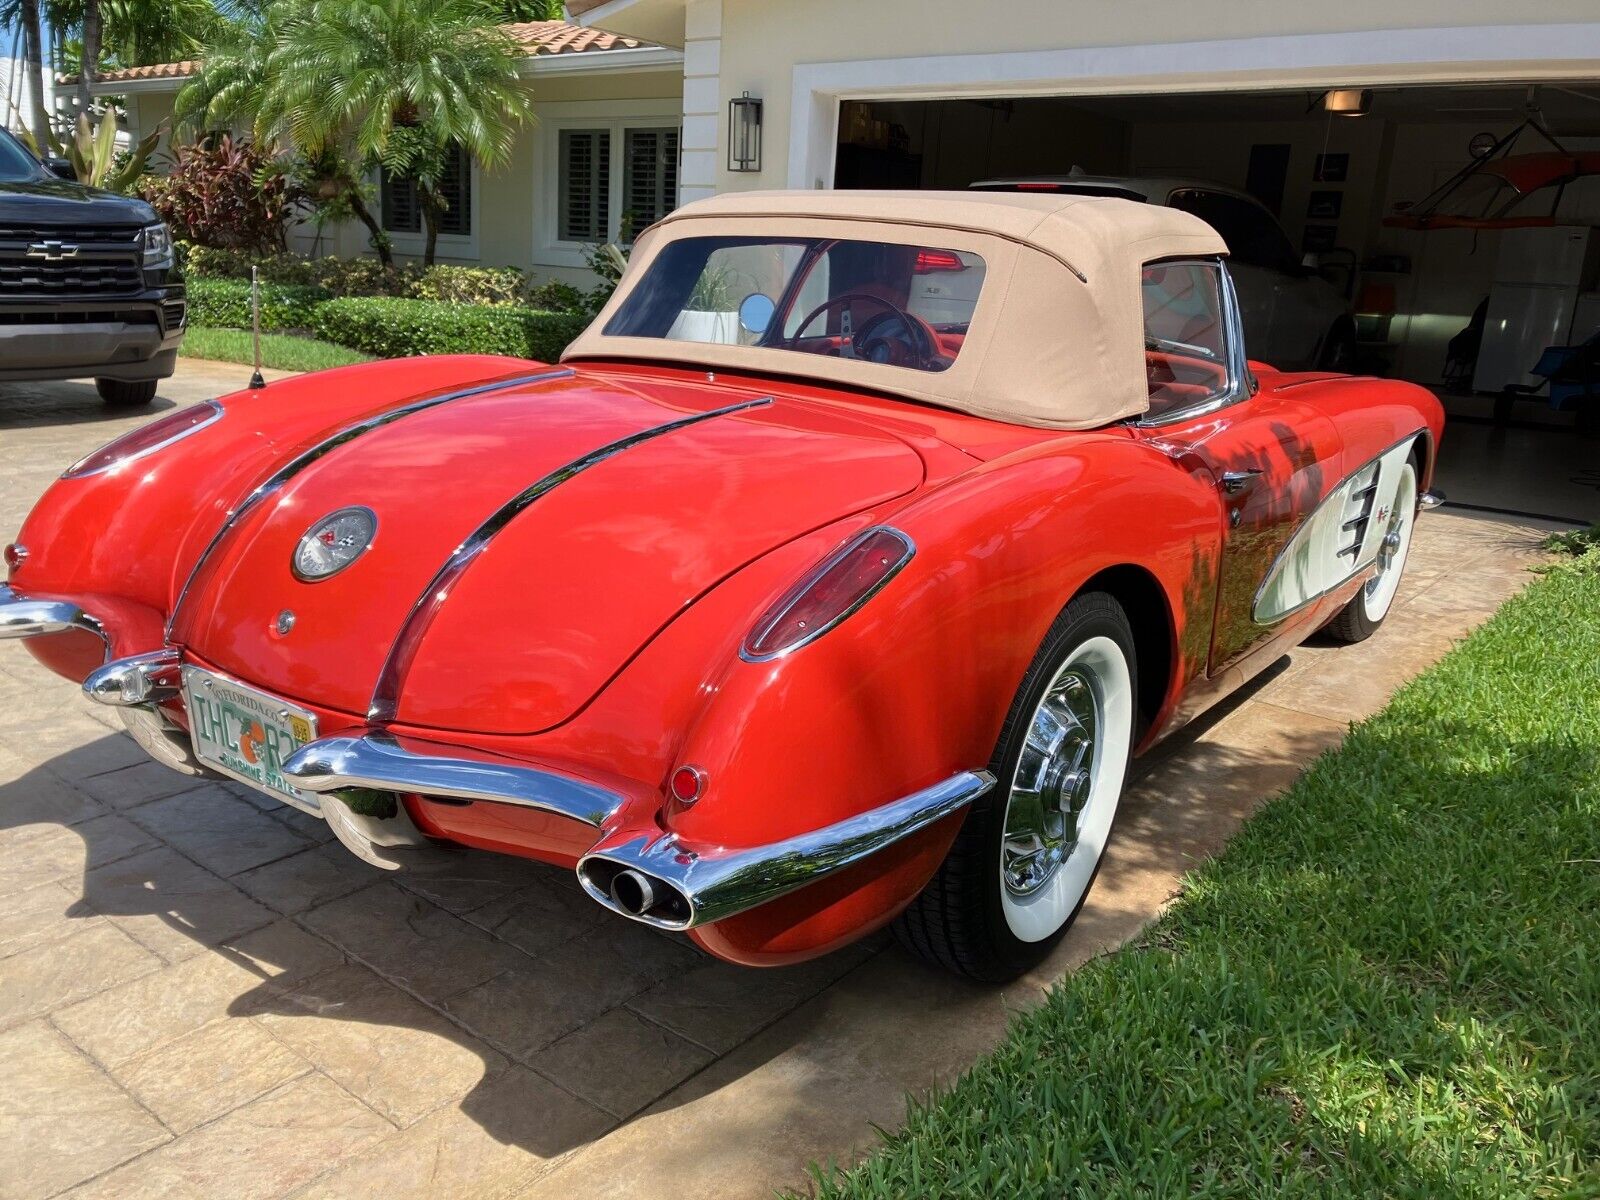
89	288
857	617
1295	319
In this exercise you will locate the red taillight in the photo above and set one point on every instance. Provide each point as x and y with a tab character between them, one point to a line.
929	261
146	439
1039	187
841	584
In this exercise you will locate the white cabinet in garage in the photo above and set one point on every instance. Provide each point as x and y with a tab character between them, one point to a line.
1539	276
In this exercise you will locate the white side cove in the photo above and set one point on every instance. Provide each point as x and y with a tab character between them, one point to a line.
1339	540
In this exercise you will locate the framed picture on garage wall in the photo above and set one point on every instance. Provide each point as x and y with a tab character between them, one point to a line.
1319	238
1331	168
1324	206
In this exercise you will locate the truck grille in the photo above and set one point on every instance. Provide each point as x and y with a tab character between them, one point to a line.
70	261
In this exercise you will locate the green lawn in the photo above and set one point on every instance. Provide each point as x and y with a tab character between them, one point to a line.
279	351
1387	985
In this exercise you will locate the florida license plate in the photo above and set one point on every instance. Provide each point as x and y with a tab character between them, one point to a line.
247	734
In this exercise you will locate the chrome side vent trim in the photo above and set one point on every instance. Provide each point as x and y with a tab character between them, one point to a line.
386	695
276	481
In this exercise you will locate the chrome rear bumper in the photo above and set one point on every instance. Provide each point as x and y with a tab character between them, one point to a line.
21	617
675	885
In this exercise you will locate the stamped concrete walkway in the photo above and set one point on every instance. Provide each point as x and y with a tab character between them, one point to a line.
201	997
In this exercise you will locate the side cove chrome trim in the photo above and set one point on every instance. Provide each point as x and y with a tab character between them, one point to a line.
386	695
1335	494
698	885
378	761
275	482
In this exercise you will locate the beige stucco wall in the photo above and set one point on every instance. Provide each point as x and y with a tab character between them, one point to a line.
771	47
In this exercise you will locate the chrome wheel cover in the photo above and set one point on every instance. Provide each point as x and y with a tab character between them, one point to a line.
1379	592
1051	782
1063	794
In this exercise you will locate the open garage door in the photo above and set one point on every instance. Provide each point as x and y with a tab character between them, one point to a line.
1504	322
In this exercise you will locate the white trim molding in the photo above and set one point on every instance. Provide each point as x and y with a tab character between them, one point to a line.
602	62
549	250
1459	54
702	99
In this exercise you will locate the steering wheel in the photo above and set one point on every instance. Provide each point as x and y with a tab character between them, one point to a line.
921	352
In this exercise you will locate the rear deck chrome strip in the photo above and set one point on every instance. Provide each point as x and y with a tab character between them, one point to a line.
386	695
349	433
378	761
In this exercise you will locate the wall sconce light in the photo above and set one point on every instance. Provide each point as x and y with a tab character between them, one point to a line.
1348	102
744	133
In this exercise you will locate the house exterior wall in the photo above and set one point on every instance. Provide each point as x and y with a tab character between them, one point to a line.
513	204
802	58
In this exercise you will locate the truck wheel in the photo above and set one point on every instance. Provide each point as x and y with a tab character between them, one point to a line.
121	393
1029	850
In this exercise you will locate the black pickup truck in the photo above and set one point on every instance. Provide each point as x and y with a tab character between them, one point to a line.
88	284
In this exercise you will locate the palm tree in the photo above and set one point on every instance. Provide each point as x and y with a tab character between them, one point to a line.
392	83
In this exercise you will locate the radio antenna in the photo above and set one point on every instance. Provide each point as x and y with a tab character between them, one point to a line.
255	326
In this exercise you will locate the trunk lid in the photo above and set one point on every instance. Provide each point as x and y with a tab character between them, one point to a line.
571	587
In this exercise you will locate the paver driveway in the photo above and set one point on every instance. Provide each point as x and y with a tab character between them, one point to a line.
201	996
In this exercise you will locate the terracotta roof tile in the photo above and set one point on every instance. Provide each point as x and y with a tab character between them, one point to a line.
536	37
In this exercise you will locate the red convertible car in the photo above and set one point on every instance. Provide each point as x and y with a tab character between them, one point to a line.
831	580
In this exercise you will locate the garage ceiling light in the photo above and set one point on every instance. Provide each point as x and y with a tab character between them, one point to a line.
1348	102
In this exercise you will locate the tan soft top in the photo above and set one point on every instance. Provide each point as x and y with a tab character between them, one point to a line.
1056	340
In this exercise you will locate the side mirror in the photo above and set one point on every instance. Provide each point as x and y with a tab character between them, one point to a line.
755	313
61	168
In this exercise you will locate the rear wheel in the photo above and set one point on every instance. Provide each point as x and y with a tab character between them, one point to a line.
1359	619
1028	852
123	393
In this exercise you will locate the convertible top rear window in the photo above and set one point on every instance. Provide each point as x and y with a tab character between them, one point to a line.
898	304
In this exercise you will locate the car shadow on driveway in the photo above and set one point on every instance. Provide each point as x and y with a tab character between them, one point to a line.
24	405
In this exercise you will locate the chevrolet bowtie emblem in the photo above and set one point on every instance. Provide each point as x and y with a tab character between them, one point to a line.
52	251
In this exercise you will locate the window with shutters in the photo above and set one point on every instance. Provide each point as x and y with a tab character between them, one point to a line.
650	176
402	210
610	175
585	185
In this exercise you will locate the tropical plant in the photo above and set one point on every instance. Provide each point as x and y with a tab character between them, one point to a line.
93	152
386	83
225	194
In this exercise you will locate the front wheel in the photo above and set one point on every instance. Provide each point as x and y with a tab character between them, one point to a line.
1360	618
123	393
1026	856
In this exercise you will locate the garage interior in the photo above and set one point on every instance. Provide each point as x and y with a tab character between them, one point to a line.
1331	179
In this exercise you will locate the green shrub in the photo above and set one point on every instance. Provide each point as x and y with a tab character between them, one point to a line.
555	296
396	328
225	304
471	285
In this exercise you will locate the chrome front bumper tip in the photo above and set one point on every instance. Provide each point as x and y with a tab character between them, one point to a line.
1431	499
21	617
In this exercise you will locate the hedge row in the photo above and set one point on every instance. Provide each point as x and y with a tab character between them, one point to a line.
409	280
398	328
225	304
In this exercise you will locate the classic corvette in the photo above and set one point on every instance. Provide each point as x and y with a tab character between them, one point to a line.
831	580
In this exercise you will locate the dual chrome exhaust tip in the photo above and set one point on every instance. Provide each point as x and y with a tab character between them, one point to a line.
636	894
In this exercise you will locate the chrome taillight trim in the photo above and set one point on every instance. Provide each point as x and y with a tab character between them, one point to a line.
377	760
386	695
711	883
275	482
73	472
796	593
